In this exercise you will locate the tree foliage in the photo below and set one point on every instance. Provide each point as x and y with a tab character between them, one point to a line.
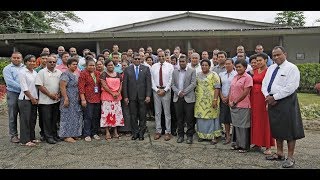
290	18
36	21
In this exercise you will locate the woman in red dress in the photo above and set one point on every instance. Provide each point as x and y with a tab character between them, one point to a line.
260	128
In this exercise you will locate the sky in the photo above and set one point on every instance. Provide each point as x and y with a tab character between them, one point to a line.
97	20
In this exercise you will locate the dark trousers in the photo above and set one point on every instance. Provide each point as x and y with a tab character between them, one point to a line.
185	114
50	114
126	117
91	119
28	118
173	116
138	107
150	107
13	110
40	123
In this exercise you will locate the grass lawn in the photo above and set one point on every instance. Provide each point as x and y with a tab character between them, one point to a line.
307	99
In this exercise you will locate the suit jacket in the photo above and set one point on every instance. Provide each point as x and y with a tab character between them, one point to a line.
189	85
141	87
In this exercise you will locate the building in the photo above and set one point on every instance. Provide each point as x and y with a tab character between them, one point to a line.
187	30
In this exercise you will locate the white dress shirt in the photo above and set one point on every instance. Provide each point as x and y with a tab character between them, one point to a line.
49	80
197	67
167	70
27	83
285	83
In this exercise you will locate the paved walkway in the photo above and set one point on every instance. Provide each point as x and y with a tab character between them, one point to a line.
147	154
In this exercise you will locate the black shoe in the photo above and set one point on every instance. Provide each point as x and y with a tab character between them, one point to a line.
189	140
42	138
141	137
51	141
57	139
173	133
134	137
180	139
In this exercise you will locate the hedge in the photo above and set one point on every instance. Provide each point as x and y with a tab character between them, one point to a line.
3	63
309	77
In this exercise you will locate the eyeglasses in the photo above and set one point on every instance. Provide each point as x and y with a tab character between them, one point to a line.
161	56
51	62
136	58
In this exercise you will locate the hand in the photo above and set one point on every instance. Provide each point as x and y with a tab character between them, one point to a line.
126	101
232	104
147	100
83	103
270	100
161	92
181	94
52	96
225	100
214	104
34	101
115	95
66	103
58	95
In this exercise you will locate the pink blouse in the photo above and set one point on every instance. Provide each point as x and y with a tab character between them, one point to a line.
237	87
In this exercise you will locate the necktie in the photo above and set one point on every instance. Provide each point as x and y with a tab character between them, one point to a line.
160	76
137	72
272	78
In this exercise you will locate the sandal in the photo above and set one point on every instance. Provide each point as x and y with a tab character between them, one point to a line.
213	142
288	163
267	152
235	148
227	142
29	144
275	157
36	141
116	136
242	151
108	137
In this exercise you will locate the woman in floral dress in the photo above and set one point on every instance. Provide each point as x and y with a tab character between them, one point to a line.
111	112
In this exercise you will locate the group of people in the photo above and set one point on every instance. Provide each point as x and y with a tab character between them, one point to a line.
77	96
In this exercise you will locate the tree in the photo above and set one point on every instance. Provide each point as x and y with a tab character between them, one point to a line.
36	21
290	18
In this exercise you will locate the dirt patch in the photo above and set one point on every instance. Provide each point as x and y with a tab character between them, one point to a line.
312	124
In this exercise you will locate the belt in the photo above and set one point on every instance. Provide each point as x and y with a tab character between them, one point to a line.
159	87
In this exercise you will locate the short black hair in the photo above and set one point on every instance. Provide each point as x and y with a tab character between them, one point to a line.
28	57
105	50
252	57
205	60
280	47
107	62
263	55
71	60
241	61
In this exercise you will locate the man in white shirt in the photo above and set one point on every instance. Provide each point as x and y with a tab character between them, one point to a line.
279	87
47	81
161	77
195	62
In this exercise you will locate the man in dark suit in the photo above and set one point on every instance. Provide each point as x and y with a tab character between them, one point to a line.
183	85
137	92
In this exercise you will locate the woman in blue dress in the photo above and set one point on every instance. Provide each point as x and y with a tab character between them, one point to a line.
70	109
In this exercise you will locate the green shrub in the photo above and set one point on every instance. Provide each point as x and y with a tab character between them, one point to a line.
310	112
309	77
3	63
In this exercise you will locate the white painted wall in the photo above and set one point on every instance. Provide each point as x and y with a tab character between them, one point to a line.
307	44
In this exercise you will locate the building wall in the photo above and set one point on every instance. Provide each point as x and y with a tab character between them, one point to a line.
307	46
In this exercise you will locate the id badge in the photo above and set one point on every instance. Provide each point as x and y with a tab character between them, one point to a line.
96	89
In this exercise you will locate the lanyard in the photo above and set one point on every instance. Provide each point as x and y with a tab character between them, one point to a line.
94	78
